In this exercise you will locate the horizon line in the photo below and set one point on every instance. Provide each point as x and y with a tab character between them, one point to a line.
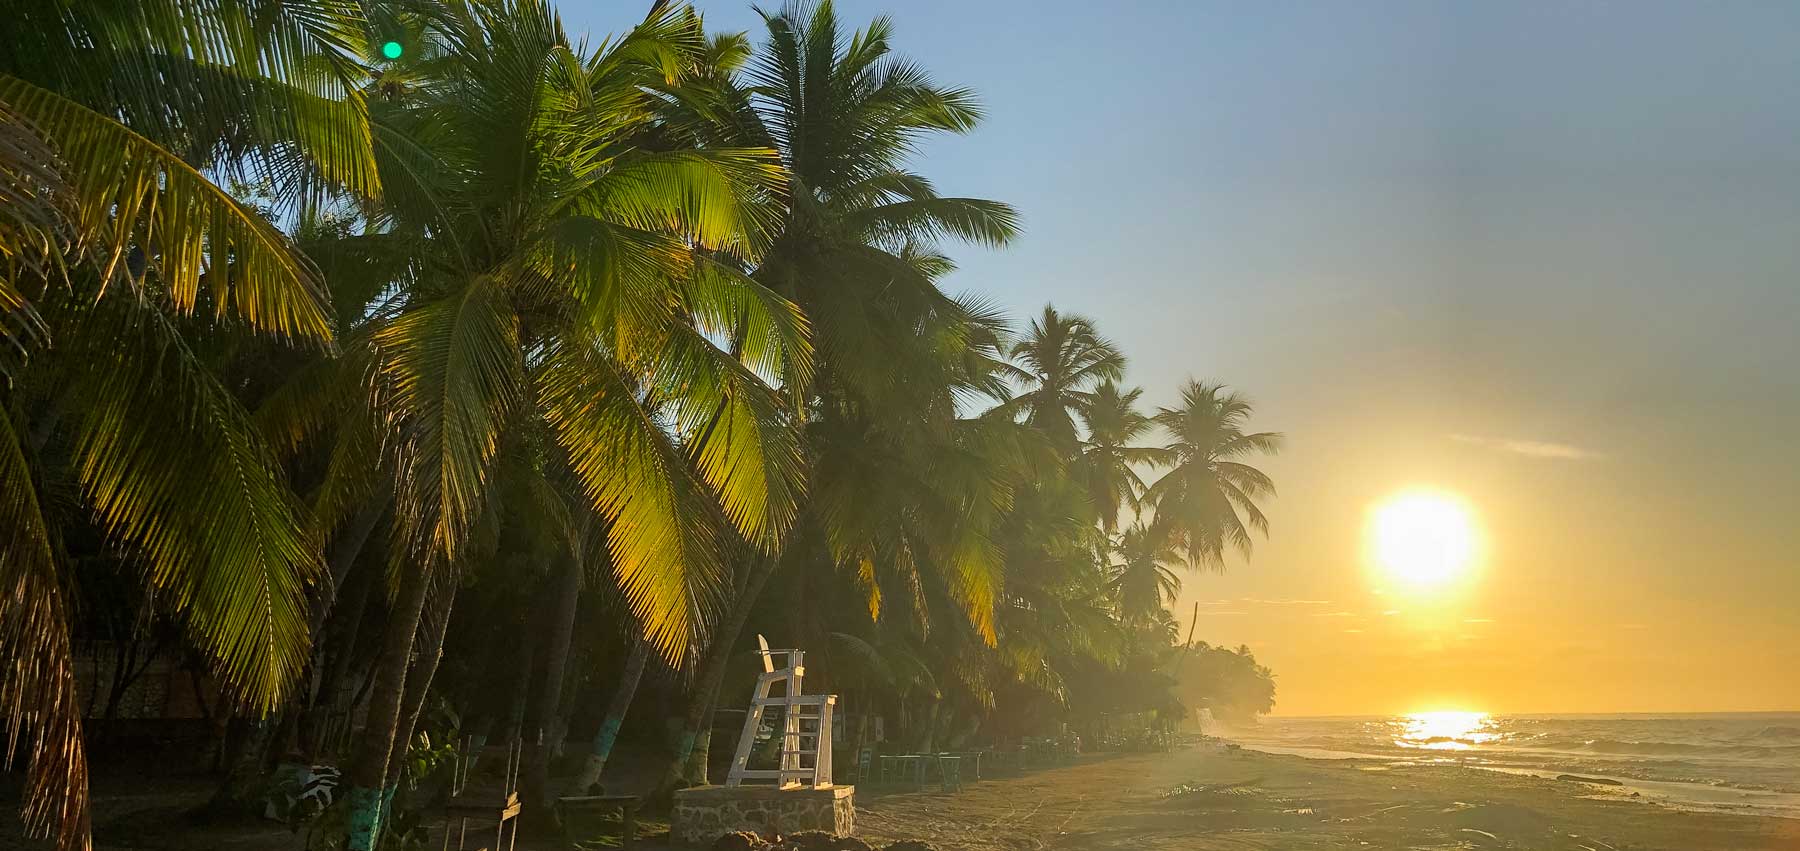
1793	711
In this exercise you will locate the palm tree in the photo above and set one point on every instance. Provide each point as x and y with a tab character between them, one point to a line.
846	116
1106	468
1206	502
115	119
571	271
854	252
1141	575
1060	360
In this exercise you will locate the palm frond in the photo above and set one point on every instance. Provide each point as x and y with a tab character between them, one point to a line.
38	694
197	498
663	530
129	193
451	374
989	223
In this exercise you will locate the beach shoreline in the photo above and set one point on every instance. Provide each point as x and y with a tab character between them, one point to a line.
1214	797
1682	796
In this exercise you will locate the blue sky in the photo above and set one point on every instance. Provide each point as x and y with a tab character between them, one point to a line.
1542	255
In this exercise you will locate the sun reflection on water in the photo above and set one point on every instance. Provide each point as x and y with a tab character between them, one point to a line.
1444	731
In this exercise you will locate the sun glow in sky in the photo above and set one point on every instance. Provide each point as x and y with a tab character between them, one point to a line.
1422	540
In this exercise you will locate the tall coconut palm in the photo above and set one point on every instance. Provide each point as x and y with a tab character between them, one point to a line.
847	115
854	252
116	118
1059	361
1107	467
1206	502
1142	578
571	271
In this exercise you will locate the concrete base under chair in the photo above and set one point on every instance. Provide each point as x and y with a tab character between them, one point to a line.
705	813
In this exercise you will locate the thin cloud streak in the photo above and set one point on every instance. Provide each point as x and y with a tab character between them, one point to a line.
1256	601
1530	448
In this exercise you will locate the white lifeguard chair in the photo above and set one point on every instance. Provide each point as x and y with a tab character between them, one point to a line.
806	726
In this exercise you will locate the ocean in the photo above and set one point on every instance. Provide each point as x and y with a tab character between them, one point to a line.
1740	762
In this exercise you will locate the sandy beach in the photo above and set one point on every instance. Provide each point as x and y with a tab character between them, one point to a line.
1195	800
1201	799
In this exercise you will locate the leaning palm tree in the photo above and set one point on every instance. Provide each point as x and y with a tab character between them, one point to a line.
571	273
1206	502
1059	361
119	247
1107	467
1142	578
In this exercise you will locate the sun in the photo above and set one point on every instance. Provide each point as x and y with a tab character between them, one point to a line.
1422	539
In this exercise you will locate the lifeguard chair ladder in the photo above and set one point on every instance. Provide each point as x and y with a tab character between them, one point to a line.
806	726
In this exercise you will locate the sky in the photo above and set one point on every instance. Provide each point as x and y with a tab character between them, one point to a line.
1542	256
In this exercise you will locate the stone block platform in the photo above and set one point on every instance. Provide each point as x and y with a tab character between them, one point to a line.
705	813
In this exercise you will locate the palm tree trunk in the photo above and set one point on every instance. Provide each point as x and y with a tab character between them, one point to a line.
698	720
615	717
369	791
566	594
345	547
418	680
517	693
300	722
333	694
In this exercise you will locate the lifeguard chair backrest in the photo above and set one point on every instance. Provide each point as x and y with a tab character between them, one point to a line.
768	658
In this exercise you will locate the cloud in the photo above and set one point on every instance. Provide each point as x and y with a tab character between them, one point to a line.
1478	620
1390	613
1530	448
1353	630
1255	601
1334	614
1228	613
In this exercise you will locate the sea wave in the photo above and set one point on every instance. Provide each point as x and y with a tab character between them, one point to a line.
1658	748
1754	753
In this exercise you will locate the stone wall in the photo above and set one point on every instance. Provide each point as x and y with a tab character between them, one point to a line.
705	813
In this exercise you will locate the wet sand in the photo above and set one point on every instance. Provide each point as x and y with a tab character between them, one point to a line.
1200	800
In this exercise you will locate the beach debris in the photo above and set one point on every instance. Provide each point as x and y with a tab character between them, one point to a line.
1598	781
1243	787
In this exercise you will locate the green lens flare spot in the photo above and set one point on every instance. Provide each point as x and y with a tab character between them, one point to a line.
391	50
